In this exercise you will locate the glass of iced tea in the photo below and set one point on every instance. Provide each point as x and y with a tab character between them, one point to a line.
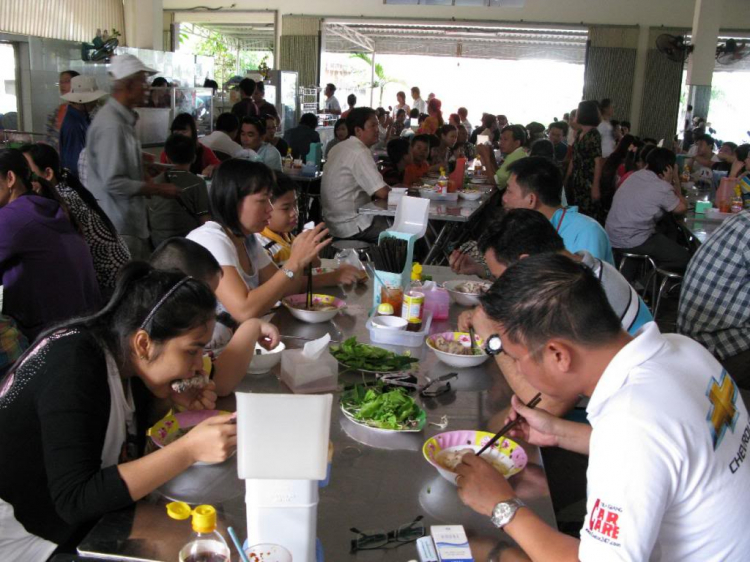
393	295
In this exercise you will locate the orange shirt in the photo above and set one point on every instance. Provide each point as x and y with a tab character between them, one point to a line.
414	172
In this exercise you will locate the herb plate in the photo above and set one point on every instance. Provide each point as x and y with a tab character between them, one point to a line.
383	409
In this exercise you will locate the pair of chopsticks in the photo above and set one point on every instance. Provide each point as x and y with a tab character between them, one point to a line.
309	298
510	425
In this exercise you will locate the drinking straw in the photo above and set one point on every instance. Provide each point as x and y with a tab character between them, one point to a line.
238	544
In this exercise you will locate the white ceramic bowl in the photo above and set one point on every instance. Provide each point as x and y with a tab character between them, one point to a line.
393	323
454	359
471	195
267	359
464	299
296	306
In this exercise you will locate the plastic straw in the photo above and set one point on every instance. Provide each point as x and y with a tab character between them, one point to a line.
238	544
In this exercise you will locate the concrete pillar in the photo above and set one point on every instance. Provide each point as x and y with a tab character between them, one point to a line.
639	77
144	24
706	23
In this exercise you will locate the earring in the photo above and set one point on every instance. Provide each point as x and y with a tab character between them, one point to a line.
142	357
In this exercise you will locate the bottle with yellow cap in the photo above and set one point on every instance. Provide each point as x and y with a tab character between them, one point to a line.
206	544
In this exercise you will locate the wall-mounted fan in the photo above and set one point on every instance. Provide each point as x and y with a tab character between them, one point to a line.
732	52
675	47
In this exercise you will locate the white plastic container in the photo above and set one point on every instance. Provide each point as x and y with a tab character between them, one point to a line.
395	337
304	376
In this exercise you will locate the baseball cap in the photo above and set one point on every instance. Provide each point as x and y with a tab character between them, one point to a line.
83	90
126	65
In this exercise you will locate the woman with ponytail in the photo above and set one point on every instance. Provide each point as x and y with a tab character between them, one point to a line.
108	250
72	411
45	265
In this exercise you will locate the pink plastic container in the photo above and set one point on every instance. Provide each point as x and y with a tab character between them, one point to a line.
437	301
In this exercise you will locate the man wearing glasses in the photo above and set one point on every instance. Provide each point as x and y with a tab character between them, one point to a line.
668	475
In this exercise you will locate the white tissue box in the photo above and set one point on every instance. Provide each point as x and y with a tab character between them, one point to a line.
451	543
303	375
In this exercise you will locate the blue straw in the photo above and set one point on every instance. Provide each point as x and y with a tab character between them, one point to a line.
238	544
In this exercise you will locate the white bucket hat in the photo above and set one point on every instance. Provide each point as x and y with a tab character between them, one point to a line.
83	90
126	65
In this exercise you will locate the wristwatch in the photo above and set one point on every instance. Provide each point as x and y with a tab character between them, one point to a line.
494	345
504	512
288	272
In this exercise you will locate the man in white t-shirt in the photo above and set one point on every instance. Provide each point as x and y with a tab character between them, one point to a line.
221	140
668	476
418	102
605	127
352	180
332	104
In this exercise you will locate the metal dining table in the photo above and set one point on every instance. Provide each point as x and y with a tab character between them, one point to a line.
701	227
447	220
378	481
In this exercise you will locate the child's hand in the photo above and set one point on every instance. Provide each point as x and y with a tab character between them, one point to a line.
269	335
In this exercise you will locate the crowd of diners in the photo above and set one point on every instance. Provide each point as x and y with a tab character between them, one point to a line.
121	277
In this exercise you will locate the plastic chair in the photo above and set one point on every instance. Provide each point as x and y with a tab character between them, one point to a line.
670	280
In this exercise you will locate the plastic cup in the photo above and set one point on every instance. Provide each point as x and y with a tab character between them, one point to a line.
268	553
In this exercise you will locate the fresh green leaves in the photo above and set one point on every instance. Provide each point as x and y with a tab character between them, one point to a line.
376	407
370	358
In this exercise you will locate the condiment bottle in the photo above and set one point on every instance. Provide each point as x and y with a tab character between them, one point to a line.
206	544
289	159
442	184
416	272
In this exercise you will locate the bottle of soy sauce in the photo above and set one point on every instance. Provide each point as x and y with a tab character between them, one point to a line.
206	544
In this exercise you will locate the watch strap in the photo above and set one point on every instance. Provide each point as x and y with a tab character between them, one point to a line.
515	504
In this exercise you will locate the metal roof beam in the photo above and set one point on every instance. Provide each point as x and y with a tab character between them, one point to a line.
351	35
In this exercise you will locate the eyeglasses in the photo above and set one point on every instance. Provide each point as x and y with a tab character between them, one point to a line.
437	387
373	540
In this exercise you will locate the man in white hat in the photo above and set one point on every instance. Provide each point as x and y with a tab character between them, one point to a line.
115	166
81	100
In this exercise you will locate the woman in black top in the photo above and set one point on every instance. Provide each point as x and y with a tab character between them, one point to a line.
66	410
108	250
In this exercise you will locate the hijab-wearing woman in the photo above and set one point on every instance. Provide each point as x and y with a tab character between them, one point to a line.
108	250
46	267
205	159
73	411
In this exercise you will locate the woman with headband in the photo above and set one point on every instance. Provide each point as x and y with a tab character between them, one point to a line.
73	411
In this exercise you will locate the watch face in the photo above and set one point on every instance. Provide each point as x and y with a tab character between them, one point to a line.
494	345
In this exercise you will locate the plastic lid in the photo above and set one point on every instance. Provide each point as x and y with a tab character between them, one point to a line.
204	516
386	309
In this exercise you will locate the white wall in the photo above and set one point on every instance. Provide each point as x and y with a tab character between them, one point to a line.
675	13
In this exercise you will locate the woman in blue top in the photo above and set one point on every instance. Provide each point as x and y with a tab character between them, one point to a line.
252	133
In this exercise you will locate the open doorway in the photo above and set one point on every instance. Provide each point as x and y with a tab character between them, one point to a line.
8	87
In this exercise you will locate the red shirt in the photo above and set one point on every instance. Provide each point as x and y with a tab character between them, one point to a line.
414	172
208	158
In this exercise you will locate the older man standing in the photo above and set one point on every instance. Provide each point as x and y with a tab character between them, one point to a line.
352	180
115	165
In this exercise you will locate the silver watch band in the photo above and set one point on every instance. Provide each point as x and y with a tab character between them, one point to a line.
505	511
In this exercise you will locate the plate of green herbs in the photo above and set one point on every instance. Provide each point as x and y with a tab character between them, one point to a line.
383	408
371	359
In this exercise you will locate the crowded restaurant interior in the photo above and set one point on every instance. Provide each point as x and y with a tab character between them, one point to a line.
385	280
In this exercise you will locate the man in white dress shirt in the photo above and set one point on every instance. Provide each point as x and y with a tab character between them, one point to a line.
332	104
418	102
605	127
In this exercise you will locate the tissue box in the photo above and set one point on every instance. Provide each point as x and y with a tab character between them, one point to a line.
702	206
304	376
451	543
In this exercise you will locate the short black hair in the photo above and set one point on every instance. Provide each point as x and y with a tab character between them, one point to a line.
309	120
445	129
421	138
261	87
284	184
186	256
415	90
535	128
520	232
397	148
649	140
614	123
742	151
551	296
71	73
259	124
606	103
160	82
332	87
540	176
659	159
401	112
588	114
351	99
562	125
358	117
542	147
518	131
645	151
414	113
234	180
730	144
247	86
625	124
185	121
227	123
708	139
180	149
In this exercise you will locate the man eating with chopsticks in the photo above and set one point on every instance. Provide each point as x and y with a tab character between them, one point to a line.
668	478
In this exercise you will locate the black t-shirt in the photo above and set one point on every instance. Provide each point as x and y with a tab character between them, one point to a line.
54	419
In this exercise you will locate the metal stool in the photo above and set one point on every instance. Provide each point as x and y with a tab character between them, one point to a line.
646	266
669	281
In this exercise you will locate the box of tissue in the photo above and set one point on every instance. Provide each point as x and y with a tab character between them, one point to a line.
311	369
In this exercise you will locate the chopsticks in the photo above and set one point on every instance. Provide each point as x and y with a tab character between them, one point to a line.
389	255
510	425
309	297
473	342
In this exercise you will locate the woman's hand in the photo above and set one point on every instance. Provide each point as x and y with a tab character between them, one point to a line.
538	427
196	398
269	335
347	274
212	440
307	245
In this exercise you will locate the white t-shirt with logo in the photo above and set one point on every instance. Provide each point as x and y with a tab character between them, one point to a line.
668	475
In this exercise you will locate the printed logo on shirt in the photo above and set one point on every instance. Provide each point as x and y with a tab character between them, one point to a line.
604	523
723	412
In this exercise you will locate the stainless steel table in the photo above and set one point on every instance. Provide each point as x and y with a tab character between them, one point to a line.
377	482
450	216
702	227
